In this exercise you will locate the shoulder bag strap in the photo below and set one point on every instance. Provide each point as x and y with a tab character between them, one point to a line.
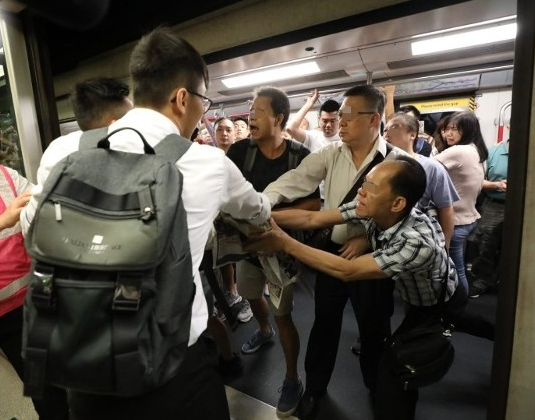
444	289
293	158
250	157
376	160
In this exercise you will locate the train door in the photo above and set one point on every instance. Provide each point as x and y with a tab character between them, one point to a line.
20	143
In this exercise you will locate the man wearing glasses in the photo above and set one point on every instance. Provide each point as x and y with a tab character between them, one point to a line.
340	165
170	80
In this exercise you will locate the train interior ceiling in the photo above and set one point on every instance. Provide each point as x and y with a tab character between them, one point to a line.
373	47
381	54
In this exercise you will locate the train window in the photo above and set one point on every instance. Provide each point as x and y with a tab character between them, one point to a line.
10	152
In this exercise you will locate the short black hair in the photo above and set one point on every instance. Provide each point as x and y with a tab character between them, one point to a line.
219	119
240	118
330	105
93	100
410	108
280	104
374	97
162	62
409	181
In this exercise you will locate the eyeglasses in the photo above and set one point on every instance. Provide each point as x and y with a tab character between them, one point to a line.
351	115
450	129
206	102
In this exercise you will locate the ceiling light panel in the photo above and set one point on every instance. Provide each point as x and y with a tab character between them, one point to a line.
271	74
464	39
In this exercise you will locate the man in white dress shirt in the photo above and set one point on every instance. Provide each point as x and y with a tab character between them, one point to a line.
327	122
169	81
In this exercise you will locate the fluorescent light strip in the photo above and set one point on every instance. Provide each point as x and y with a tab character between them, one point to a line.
465	39
270	75
485	23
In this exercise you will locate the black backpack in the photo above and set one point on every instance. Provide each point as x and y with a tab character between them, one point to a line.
108	310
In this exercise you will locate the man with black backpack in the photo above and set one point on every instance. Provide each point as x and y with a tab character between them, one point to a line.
262	159
96	102
146	333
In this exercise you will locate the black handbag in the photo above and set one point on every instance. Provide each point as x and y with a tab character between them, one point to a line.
422	355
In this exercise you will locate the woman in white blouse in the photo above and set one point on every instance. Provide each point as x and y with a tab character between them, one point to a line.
463	156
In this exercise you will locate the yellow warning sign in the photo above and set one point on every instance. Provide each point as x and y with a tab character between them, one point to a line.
444	105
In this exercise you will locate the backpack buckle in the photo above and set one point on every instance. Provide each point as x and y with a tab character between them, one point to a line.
43	287
127	293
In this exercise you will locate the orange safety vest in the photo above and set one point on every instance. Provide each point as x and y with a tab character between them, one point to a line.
14	260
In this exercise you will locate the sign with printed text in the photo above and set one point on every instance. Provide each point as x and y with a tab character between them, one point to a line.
444	105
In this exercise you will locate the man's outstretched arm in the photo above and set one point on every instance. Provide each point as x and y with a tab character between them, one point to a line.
304	219
360	268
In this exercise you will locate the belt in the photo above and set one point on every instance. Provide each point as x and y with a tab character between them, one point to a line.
496	200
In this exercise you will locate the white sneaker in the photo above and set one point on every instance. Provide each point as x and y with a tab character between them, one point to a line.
232	299
245	313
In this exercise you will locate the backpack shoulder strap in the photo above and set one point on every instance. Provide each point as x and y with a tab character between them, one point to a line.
293	158
172	147
90	138
250	157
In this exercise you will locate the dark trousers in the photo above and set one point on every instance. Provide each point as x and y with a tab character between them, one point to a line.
196	392
53	406
463	317
372	302
485	266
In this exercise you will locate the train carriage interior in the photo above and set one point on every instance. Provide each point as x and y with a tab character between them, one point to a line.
342	44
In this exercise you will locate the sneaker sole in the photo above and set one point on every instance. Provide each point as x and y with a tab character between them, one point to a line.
251	351
245	319
284	414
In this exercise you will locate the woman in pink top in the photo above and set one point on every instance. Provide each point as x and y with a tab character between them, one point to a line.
463	156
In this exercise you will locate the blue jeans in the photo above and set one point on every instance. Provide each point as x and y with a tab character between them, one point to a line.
457	245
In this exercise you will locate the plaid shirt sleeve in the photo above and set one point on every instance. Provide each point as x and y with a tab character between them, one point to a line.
348	211
406	253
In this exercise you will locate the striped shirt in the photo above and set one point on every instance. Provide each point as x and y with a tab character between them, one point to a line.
412	253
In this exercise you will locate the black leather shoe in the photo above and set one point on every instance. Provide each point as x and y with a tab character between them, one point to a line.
306	410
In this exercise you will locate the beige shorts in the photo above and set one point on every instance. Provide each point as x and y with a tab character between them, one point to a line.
250	280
